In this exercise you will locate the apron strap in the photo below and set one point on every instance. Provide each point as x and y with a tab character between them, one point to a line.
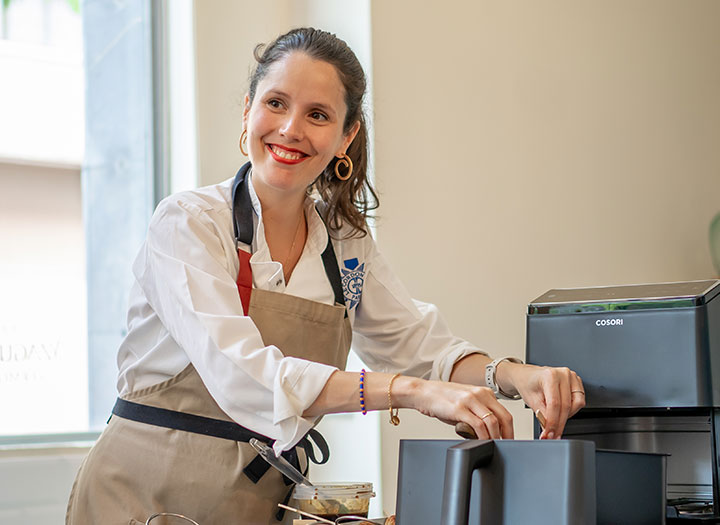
162	417
242	207
243	227
333	273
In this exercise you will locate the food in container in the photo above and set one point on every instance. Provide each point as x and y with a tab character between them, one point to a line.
333	500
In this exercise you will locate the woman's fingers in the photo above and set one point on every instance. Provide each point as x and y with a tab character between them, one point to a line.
504	419
564	378
564	396
577	395
492	420
481	430
485	426
551	410
476	406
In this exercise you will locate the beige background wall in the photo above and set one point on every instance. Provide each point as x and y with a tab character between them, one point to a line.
519	146
522	146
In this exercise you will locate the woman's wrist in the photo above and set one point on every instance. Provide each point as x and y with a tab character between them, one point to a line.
405	391
506	376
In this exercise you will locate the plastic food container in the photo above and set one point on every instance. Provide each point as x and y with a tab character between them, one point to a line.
333	500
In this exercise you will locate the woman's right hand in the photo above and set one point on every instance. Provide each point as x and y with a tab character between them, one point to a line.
455	402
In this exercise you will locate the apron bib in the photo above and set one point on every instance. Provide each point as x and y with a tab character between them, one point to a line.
136	469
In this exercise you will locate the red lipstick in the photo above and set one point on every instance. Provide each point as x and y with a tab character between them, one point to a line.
284	160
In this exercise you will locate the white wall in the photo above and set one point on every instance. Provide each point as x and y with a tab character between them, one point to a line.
522	146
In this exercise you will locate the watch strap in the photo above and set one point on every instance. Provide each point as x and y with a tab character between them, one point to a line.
490	380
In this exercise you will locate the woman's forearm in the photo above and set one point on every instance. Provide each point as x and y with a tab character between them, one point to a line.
470	370
342	393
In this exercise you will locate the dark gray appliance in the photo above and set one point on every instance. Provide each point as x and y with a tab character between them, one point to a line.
649	358
506	482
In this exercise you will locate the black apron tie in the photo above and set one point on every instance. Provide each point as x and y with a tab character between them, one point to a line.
163	417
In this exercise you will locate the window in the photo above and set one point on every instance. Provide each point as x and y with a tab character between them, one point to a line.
73	213
43	352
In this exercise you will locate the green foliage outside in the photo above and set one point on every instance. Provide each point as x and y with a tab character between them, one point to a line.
74	4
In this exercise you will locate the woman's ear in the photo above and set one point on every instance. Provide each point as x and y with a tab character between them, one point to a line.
246	110
348	138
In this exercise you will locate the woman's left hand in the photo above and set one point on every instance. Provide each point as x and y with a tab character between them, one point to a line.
557	393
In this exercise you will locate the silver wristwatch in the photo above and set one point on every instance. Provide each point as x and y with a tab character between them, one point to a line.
490	382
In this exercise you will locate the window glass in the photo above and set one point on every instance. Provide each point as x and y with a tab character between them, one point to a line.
43	326
74	206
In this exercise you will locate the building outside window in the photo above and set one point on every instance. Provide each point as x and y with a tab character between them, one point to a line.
43	319
74	206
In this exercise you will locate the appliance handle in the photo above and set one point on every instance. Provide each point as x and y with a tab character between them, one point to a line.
460	462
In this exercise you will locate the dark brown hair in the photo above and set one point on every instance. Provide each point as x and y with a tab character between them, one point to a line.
348	201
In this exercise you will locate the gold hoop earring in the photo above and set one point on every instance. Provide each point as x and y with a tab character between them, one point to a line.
347	162
243	140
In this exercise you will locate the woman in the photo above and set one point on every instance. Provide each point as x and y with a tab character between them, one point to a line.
246	297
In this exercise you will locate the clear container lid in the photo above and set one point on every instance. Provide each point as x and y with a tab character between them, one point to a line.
334	490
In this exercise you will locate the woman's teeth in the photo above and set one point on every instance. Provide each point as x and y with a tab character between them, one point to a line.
285	154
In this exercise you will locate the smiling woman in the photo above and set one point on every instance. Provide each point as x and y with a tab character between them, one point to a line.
247	295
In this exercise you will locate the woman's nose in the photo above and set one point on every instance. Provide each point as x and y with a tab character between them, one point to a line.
292	127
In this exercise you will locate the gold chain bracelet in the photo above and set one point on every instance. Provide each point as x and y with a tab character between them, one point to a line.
394	419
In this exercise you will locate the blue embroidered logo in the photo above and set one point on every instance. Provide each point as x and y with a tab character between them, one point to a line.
353	277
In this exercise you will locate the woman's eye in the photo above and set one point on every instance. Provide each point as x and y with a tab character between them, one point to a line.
274	103
316	115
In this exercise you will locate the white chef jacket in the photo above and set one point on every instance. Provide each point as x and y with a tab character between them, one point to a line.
184	308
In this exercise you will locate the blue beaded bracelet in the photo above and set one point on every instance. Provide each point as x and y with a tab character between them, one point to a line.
362	392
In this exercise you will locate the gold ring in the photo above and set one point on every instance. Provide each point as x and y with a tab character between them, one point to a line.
577	392
486	415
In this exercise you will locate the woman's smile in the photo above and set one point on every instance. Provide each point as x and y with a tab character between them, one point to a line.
286	155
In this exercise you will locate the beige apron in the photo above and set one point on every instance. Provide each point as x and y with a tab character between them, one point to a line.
136	469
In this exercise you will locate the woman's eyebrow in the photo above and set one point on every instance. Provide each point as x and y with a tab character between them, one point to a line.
323	107
318	105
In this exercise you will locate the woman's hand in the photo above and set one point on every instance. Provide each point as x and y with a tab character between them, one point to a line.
557	393
455	402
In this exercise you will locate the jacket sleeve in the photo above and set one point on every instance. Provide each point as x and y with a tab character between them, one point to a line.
183	272
395	333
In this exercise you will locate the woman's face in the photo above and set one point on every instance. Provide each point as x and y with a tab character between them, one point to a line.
295	124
